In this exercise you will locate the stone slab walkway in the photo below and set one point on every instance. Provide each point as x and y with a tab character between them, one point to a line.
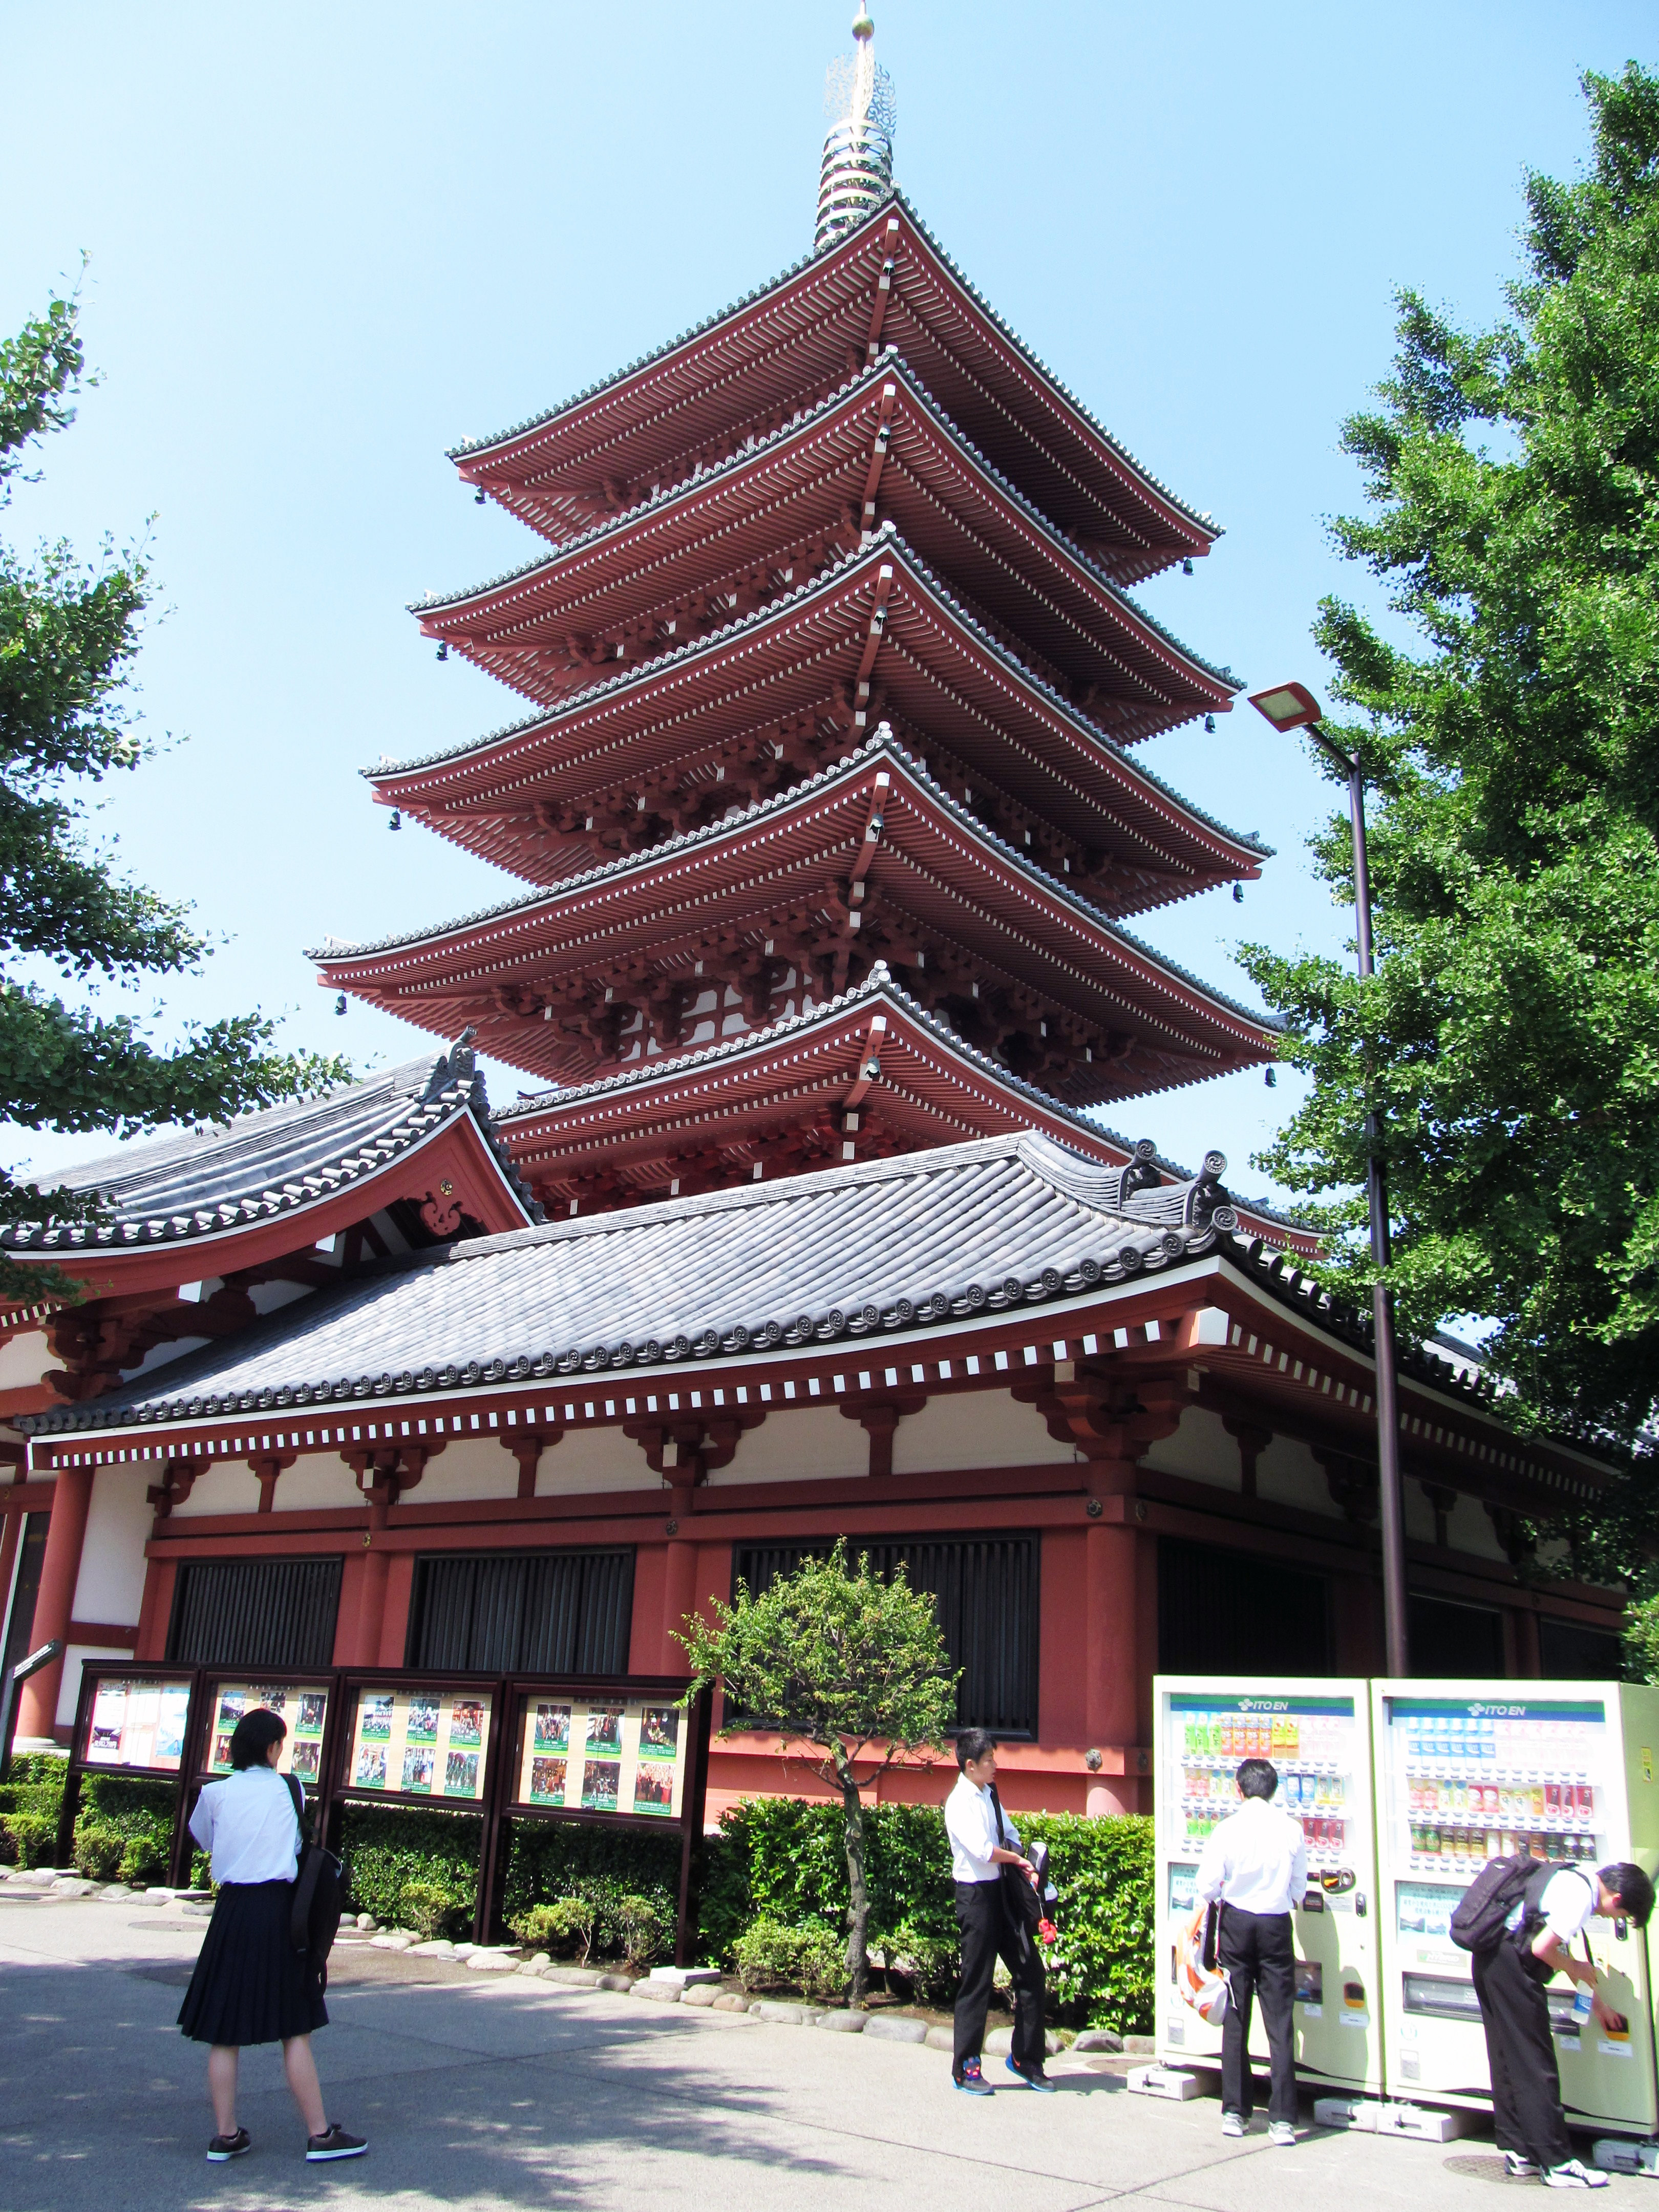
482	2090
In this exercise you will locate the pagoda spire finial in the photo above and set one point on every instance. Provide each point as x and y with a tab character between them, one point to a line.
857	170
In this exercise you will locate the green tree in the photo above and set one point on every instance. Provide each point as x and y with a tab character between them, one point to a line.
68	634
852	1668
1510	1036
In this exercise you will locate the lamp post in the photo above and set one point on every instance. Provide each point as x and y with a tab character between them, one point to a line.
1293	707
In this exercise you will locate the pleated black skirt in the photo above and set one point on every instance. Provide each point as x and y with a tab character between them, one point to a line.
250	1984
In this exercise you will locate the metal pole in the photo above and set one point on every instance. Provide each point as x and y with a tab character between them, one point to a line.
1396	1642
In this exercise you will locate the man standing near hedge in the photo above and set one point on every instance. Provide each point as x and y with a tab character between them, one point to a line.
1255	1863
982	1844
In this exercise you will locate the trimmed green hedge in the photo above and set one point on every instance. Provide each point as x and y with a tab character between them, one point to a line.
547	1860
780	1860
390	1848
124	1829
31	1798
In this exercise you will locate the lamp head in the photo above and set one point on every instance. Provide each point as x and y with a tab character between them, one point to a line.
1287	705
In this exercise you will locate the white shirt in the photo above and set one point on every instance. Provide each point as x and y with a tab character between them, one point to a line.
970	1822
247	1823
1567	1903
1256	1859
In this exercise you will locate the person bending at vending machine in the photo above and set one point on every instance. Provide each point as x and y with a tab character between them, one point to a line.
250	1984
1509	1977
983	1843
1254	1866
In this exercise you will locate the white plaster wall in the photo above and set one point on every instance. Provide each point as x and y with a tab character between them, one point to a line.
229	1486
111	1584
1468	1528
24	1359
1420	1513
69	1689
976	1428
1287	1474
317	1482
799	1444
1200	1449
589	1459
469	1466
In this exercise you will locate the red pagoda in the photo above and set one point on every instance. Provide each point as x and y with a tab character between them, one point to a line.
836	679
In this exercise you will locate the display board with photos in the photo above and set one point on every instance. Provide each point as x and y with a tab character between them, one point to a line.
302	1706
137	1724
588	1752
421	1742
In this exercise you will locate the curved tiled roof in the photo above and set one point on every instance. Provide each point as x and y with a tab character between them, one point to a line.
878	984
882	740
470	446
887	542
199	1182
884	367
845	1253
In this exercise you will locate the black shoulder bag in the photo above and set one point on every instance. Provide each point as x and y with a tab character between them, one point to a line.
1024	1907
318	1895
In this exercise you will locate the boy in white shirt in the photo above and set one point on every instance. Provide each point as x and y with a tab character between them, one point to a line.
1531	2126
1255	1863
983	1841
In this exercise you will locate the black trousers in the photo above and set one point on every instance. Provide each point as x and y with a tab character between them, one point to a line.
1525	2084
988	1933
1255	1952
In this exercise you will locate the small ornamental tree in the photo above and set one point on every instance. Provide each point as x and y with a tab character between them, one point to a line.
836	1660
68	632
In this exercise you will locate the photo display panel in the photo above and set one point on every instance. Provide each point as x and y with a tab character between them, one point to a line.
137	1724
1314	1742
302	1706
602	1754
420	1743
1478	1780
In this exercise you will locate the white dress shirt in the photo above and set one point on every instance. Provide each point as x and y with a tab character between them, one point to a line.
1568	1899
1256	1859
246	1821
970	1822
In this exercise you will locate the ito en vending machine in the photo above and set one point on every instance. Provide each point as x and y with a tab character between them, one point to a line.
1317	1734
1472	1771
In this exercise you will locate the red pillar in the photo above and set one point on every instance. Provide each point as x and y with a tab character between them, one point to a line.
1112	1656
679	1598
54	1608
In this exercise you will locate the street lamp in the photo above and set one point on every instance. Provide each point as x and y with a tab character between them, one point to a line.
1293	707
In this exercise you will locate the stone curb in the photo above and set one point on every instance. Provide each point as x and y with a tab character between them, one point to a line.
658	1992
888	2030
783	2015
843	2023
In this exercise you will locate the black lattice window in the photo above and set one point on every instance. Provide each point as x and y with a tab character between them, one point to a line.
266	1613
984	1589
522	1613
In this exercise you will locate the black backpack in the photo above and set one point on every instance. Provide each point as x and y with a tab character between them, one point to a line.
320	1888
1484	1909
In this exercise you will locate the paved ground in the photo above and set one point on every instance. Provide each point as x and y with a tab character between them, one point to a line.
484	2092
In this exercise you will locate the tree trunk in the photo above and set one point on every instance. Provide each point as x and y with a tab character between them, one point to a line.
858	1961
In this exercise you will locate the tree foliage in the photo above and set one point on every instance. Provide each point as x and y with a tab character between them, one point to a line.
1511	1036
850	1669
69	631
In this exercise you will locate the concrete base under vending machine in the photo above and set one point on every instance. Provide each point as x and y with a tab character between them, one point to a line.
1619	2154
1376	2116
1167	2081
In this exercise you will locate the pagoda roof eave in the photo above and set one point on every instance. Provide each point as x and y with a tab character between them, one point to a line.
1035	885
503	752
739	1069
507	596
1064	407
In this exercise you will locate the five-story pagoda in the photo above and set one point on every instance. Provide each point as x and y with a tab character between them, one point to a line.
828	801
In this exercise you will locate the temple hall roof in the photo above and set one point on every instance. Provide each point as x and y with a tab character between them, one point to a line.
959	1230
264	1166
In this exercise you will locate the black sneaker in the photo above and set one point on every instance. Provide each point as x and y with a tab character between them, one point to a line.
972	2081
226	2147
1032	2076
334	2142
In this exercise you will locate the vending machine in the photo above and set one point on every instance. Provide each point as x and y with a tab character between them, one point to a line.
1317	1733
1468	1771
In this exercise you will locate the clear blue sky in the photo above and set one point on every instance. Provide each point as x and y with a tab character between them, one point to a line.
328	243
